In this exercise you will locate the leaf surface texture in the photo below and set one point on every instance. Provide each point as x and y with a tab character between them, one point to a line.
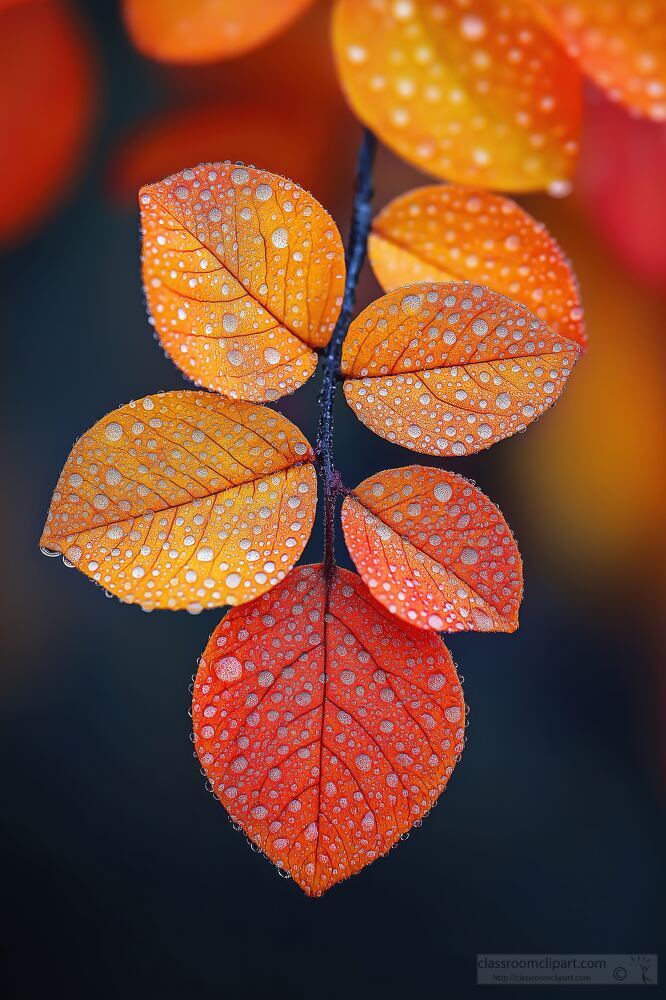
326	726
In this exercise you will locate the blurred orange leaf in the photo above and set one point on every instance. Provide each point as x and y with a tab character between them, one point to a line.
449	369
185	500
326	727
193	31
479	93
244	273
621	44
434	550
250	127
447	232
47	96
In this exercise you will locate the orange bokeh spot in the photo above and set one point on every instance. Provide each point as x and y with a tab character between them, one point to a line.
434	550
448	232
326	726
46	104
193	31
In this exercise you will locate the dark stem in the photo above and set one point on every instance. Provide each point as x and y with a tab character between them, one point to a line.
354	259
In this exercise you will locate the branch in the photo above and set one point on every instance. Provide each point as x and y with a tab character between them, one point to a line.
354	259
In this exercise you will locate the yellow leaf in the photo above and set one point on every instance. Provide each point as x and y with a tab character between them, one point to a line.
185	500
244	273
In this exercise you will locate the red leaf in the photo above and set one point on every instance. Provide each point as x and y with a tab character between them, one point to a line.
327	727
434	550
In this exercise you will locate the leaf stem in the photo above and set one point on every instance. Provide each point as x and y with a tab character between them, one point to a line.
354	259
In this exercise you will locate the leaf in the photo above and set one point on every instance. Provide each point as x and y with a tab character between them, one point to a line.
45	63
185	500
447	233
434	550
451	368
193	31
326	727
481	95
244	274
621	44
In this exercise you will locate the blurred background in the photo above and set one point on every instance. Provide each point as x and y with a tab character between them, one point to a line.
123	877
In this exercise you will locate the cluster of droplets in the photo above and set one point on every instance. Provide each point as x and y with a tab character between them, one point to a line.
434	550
439	233
243	273
185	500
478	93
449	369
321	750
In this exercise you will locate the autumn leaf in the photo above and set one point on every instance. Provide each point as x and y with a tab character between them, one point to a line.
482	95
434	550
449	232
620	44
47	99
326	726
244	273
451	368
194	31
185	500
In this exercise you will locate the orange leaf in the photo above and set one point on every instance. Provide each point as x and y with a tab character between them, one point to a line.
47	96
449	369
621	44
185	500
434	550
598	471
193	31
481	95
326	727
444	233
244	274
